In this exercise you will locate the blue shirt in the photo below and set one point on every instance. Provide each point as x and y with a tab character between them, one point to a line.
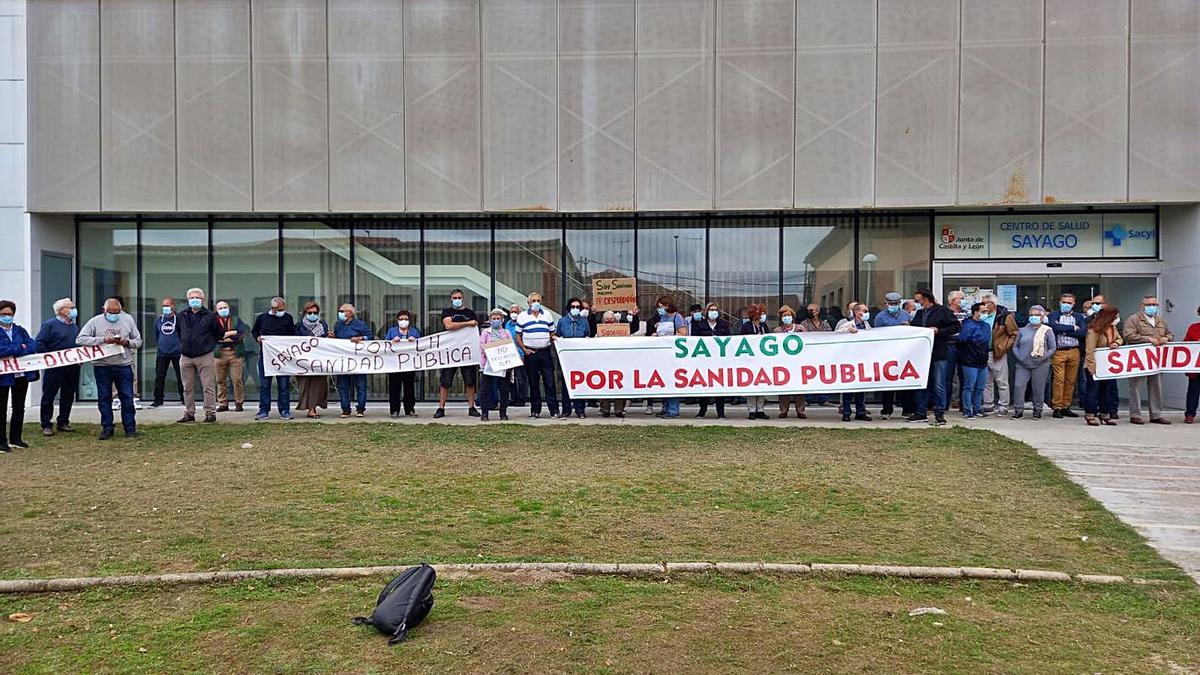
394	332
511	325
356	328
55	335
574	327
166	335
886	318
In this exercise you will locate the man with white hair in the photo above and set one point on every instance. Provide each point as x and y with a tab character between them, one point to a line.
954	303
1004	333
198	335
350	327
59	332
276	322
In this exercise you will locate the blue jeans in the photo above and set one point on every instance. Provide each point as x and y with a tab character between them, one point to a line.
1193	396
671	407
860	403
264	392
954	369
360	388
973	382
935	390
123	377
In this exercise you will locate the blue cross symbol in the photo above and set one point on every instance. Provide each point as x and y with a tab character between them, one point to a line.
1116	234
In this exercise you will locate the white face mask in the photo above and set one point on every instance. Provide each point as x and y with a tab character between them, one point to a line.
584	311
403	323
513	315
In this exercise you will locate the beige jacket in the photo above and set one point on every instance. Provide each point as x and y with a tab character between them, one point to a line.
1138	331
1097	341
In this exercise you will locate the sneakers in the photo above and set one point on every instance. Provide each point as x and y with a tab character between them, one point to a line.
473	411
186	419
439	414
156	404
1067	412
66	427
286	417
238	407
47	431
1037	414
845	417
346	413
939	419
361	413
1057	414
18	444
261	416
1019	414
917	418
137	403
210	418
106	434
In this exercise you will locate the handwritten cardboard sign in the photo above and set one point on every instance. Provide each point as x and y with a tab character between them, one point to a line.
612	330
615	294
501	355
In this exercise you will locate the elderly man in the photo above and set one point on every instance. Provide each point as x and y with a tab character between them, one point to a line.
230	358
535	337
1004	332
113	327
276	322
894	315
349	327
59	332
1146	327
954	303
166	341
198	335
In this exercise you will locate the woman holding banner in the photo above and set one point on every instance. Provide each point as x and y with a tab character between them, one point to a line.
403	331
757	325
710	324
670	324
1100	396
788	324
494	387
1193	389
314	389
15	342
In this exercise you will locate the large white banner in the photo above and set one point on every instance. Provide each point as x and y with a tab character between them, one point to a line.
1136	360
331	356
776	363
64	357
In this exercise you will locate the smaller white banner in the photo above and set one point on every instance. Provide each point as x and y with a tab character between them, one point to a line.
332	356
501	356
1138	360
63	357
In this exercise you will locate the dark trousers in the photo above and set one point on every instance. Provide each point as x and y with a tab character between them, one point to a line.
160	377
1193	396
907	399
284	402
494	391
62	383
398	383
15	391
859	400
106	377
539	366
579	406
720	400
359	382
520	386
1099	396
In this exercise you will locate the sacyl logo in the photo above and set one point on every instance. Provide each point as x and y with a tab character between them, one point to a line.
1117	234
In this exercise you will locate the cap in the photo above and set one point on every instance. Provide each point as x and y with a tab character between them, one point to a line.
892	297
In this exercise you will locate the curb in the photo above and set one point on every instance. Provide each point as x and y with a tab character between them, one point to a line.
12	586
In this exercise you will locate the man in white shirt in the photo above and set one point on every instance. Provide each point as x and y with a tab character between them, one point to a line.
535	337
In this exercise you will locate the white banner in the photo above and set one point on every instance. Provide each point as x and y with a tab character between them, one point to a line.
64	357
776	363
1136	360
331	356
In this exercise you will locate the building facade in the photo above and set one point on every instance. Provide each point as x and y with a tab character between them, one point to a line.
779	151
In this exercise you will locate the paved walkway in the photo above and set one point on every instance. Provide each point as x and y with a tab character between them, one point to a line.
1149	476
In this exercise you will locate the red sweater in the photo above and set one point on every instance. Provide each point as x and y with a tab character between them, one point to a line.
1193	335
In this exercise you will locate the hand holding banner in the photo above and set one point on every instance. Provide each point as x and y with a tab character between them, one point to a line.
64	357
501	355
1146	359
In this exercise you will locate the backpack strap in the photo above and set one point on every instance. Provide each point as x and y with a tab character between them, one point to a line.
360	621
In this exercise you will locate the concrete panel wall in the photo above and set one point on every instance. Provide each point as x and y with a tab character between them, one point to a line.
1181	278
583	105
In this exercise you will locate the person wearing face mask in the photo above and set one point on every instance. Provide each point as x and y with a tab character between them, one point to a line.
458	315
350	327
610	405
113	326
1004	329
859	319
670	323
166	358
694	316
893	315
1100	396
1147	327
1193	388
1033	348
974	344
314	389
593	319
494	385
535	337
945	327
519	376
711	324
572	326
814	323
1070	332
788	324
756	325
402	395
15	341
198	335
229	357
274	322
59	332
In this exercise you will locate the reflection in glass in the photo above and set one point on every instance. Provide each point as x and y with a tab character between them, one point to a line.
893	256
316	266
818	264
174	259
743	266
246	275
387	279
597	248
527	260
457	255
670	262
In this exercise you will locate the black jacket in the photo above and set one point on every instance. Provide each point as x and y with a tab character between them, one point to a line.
941	318
198	332
701	327
749	328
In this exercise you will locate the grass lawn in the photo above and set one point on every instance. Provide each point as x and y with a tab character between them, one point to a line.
189	498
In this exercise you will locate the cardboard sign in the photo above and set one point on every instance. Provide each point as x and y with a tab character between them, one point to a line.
615	294
501	355
612	330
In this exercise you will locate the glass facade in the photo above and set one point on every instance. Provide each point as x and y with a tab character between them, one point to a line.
384	264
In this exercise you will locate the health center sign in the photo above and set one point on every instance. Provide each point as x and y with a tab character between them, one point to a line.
1049	236
775	363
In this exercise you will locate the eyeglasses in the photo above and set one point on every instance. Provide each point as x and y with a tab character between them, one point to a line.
576	307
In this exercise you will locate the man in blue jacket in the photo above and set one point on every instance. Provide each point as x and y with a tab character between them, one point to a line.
59	332
894	315
1070	334
166	340
349	327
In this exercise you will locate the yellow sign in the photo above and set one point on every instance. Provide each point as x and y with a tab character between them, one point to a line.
616	294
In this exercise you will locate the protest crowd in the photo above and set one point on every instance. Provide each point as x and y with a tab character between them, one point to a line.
1052	358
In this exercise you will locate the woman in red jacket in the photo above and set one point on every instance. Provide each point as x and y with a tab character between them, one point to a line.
1193	390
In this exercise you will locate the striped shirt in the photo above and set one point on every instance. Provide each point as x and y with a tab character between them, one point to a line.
535	331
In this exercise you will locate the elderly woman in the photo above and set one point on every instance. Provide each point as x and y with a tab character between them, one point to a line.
670	323
494	387
14	341
402	331
609	404
788	324
314	389
1032	348
859	319
756	325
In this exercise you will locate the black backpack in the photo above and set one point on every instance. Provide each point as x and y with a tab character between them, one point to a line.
402	604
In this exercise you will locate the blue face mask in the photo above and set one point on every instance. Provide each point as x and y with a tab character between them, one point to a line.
535	306
1066	307
1035	320
112	318
866	316
1151	310
496	323
1095	309
6	320
713	314
195	303
662	311
341	316
72	313
787	319
893	309
166	311
697	316
574	311
223	312
312	318
456	303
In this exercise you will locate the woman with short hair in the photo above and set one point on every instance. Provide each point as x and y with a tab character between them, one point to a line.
757	325
402	331
710	324
15	341
314	389
788	324
1032	348
670	324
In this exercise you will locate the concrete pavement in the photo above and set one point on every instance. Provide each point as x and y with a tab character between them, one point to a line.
1149	476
